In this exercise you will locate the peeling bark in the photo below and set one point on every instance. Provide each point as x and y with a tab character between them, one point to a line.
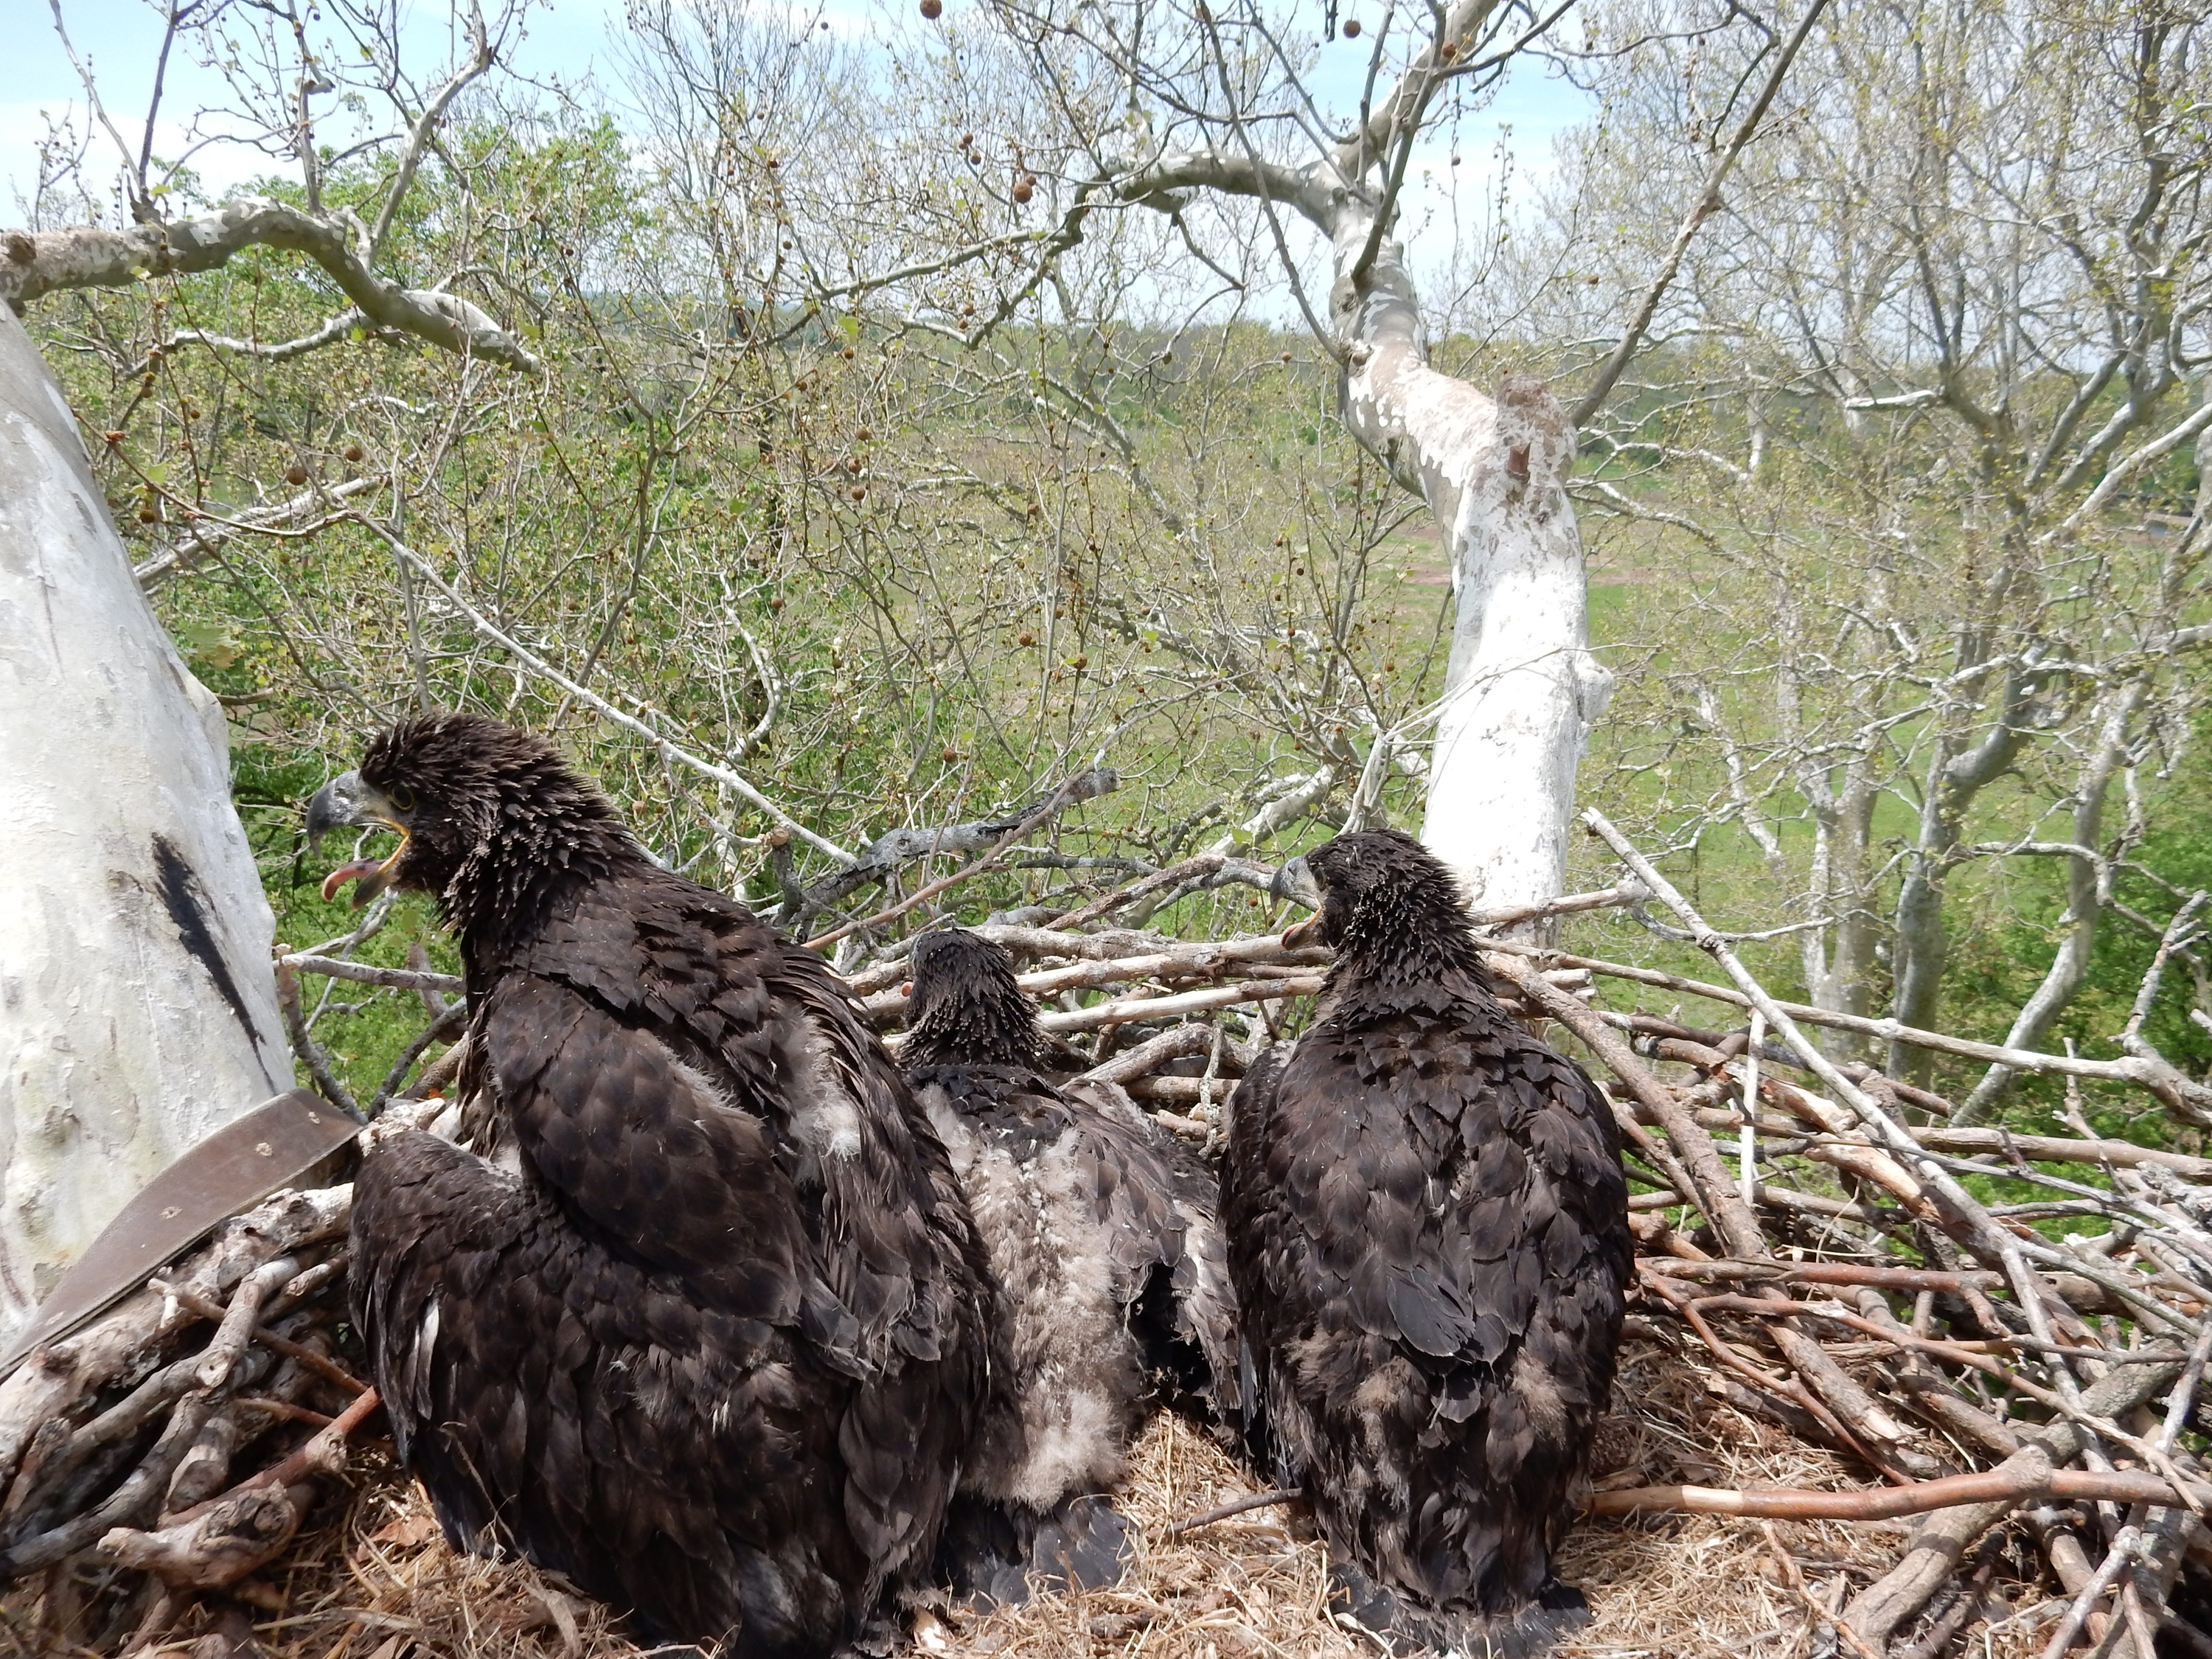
1521	690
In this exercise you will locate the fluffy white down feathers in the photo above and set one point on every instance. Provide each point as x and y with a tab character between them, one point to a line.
1076	1375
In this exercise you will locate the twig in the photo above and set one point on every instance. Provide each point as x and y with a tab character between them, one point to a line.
215	1544
142	1486
285	1409
1127	1011
448	1024
1936	1544
1709	198
326	1368
418	958
1149	1055
1747	1144
1974	1224
1096	781
1571	904
736	782
325	1451
303	1042
2123	1551
239	1320
1820	1608
1204	864
1222	1512
888	852
1199	961
2184	1398
2146	1073
2147	992
362	973
441	1071
1830	1272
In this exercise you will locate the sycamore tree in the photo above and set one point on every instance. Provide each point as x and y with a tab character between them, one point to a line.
1077	171
1184	110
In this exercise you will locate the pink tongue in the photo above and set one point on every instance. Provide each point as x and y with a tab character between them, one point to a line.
345	873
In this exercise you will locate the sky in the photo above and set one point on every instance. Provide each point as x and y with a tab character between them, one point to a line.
121	40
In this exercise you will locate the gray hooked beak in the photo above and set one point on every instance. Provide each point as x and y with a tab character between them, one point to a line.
1295	882
346	800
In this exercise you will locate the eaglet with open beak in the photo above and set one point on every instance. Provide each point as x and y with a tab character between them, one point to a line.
347	801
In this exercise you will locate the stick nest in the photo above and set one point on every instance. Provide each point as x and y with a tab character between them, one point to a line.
1824	1323
371	1577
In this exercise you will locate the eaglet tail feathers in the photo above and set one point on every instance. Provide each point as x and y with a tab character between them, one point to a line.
1000	1555
1528	1632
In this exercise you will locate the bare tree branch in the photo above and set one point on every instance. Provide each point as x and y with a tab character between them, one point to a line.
1709	198
33	264
598	705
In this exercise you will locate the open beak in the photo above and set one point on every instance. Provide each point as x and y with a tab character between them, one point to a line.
345	800
1295	882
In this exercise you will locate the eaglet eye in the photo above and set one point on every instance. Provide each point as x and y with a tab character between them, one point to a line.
401	797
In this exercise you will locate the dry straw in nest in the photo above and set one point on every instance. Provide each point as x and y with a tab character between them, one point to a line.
374	1579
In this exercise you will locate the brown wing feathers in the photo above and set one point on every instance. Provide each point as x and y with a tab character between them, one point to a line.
975	1045
1107	1263
715	1351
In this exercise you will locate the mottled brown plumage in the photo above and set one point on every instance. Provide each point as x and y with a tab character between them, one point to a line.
707	1338
1105	1248
1428	1232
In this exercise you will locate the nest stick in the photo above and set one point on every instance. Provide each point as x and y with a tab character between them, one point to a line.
361	972
303	1041
1819	1608
325	1368
2008	1487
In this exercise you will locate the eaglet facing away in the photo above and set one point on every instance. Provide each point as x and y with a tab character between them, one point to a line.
707	1337
1428	1232
1109	1261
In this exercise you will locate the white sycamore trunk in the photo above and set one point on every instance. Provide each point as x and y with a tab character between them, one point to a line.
1521	690
137	1009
